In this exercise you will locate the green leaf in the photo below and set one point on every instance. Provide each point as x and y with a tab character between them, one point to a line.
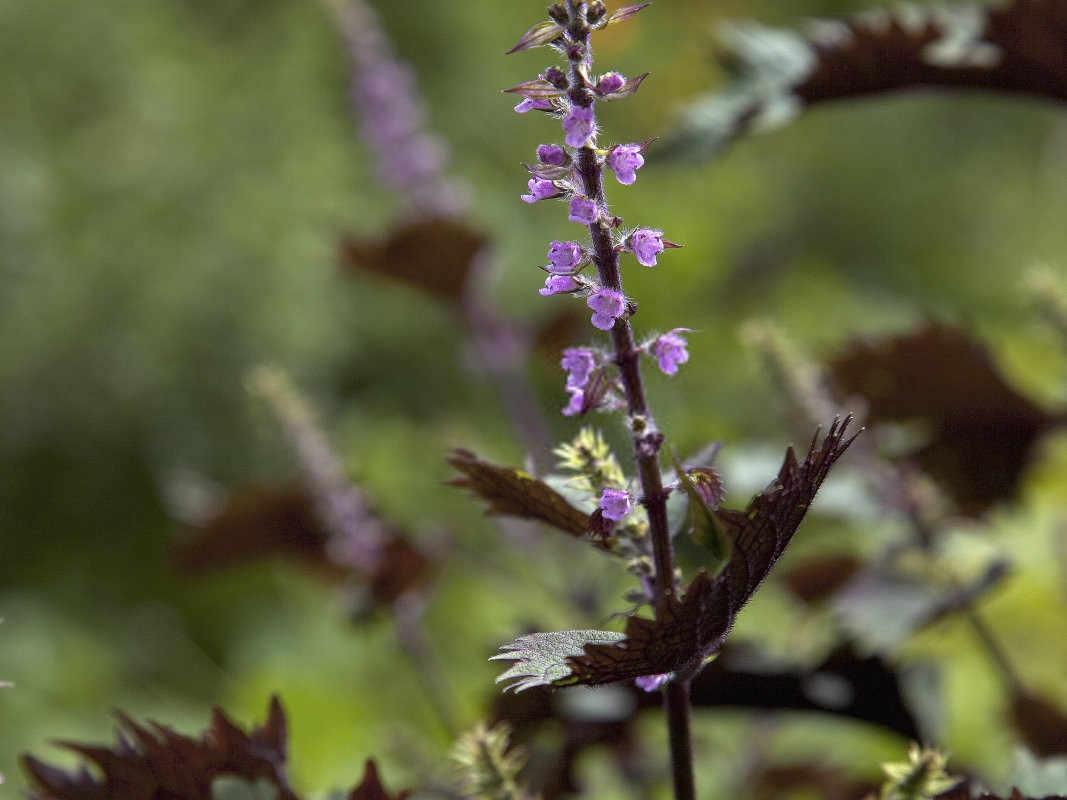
541	658
702	523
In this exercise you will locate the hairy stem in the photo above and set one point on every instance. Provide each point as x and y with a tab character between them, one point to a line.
647	440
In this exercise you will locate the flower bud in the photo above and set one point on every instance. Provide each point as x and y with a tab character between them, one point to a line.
610	83
553	155
556	77
558	13
596	11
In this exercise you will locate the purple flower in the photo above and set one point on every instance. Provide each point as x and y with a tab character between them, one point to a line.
552	154
615	504
559	284
624	160
575	404
610	83
579	363
540	189
607	305
578	125
646	244
583	211
670	351
563	256
528	104
651	683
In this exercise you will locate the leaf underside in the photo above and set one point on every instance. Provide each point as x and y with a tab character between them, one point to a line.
693	628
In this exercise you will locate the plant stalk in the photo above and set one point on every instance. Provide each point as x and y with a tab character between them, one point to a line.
647	440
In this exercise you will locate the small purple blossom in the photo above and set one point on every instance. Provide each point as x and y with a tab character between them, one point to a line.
646	244
575	404
528	104
552	154
651	683
670	351
583	211
578	125
615	504
564	256
624	160
579	363
607	305
610	83
540	189
559	284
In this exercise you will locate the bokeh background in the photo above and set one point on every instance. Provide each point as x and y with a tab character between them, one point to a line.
174	176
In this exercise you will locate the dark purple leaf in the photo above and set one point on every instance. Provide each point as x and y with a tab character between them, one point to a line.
981	431
153	761
435	256
694	627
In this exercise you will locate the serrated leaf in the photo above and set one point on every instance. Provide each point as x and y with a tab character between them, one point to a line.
691	629
435	256
981	431
702	523
513	492
1013	47
541	659
739	678
155	761
541	34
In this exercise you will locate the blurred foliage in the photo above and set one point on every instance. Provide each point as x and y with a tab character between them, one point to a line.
174	177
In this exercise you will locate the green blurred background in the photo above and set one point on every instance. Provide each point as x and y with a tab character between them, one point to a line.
174	175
